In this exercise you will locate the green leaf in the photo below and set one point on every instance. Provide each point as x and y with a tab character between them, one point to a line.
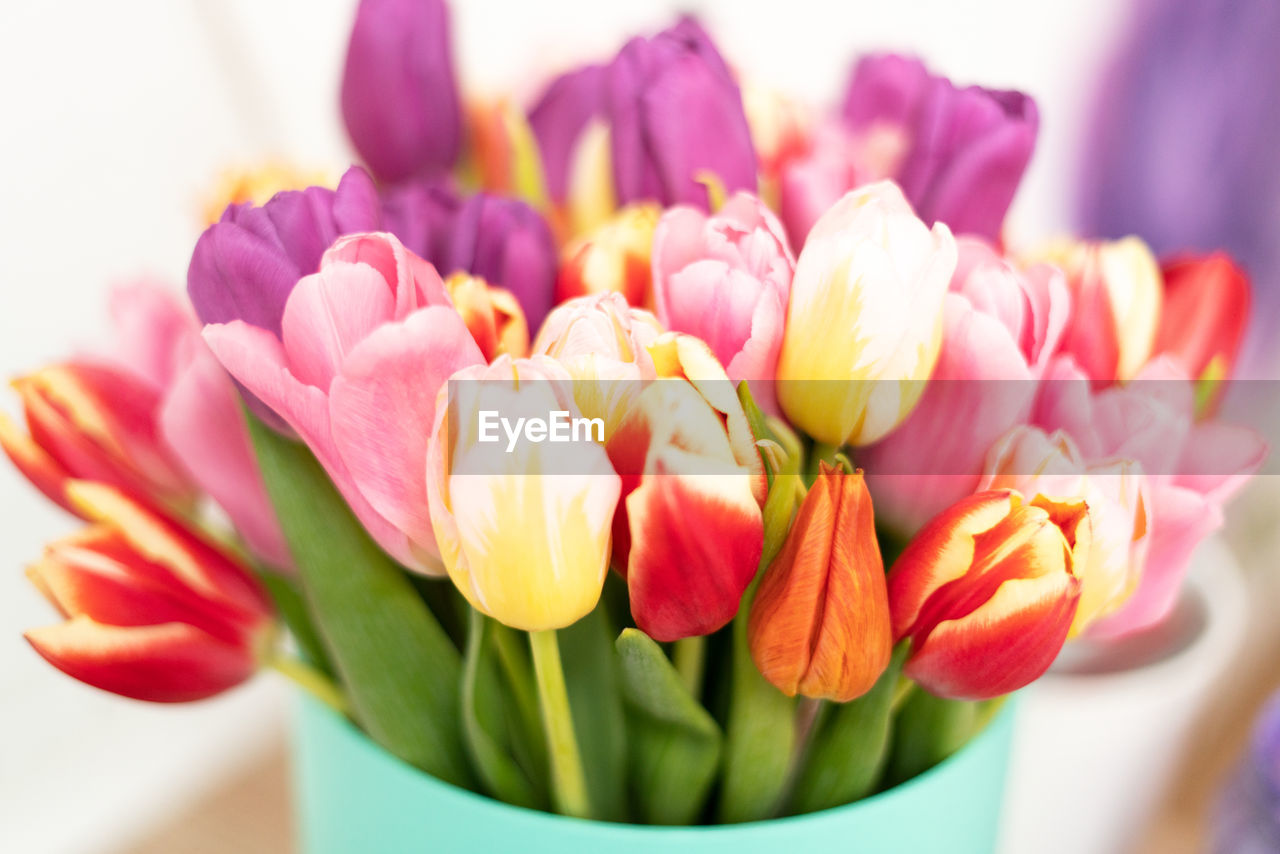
595	701
398	667
675	743
760	736
846	756
490	722
927	730
293	610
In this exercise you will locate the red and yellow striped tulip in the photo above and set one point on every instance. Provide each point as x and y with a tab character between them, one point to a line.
612	257
987	591
153	611
819	624
493	316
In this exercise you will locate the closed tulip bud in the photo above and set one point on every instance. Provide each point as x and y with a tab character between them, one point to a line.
399	98
1204	315
524	534
1115	305
819	623
508	244
153	612
94	421
864	320
613	257
987	591
492	315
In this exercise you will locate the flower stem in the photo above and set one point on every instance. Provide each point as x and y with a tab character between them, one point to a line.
689	657
568	783
310	680
901	692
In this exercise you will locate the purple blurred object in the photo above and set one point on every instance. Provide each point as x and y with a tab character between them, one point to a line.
399	98
1247	820
422	214
1182	146
559	118
245	265
966	149
508	244
673	109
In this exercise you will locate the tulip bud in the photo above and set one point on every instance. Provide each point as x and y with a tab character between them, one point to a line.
1203	318
508	244
1115	294
94	422
399	99
614	257
153	612
987	591
492	315
864	321
523	534
819	623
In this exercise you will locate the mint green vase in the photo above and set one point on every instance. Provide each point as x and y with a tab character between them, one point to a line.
354	797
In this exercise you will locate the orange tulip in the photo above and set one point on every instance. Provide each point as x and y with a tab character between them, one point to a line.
987	591
819	625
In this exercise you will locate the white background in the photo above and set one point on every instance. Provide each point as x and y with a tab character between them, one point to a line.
116	116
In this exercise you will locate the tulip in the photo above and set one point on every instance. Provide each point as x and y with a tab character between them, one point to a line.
864	320
508	244
94	421
257	184
524	535
1192	467
726	279
614	256
422	214
366	343
674	112
689	532
781	129
1000	327
987	592
1115	295
1204	314
1115	491
504	151
245	265
834	162
559	120
1180	142
399	99
819	623
153	612
492	315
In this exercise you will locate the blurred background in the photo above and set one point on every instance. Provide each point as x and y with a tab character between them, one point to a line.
118	119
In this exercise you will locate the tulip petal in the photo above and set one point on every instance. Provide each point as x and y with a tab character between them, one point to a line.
36	466
167	663
328	314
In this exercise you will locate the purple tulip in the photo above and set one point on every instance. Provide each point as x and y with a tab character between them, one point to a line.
245	265
399	98
559	118
422	213
508	244
674	111
1181	148
965	150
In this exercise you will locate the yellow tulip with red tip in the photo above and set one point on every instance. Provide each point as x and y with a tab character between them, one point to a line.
612	257
493	316
819	624
987	591
153	611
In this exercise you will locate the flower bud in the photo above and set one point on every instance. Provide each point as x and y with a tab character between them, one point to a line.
614	257
492	315
819	623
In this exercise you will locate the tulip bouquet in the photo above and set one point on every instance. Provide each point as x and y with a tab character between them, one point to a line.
571	444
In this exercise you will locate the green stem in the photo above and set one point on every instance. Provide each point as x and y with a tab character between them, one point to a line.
515	665
901	692
567	779
310	680
689	657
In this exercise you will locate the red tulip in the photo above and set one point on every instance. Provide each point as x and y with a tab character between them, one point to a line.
153	612
1206	309
987	591
820	620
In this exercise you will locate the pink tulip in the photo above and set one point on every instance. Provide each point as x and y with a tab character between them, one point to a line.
725	279
1000	327
158	338
366	343
1192	468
